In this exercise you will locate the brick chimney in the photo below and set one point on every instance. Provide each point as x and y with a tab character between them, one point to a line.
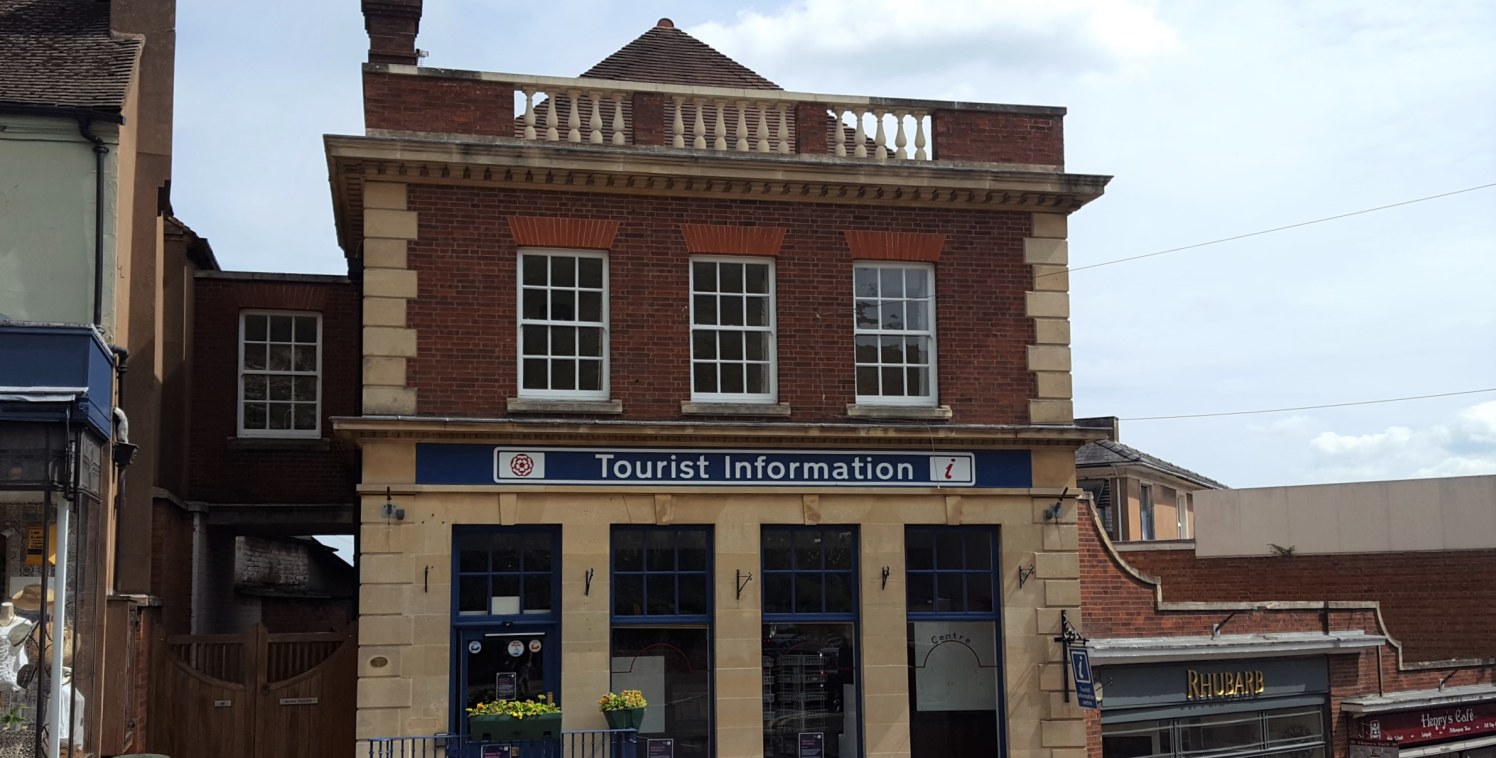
392	27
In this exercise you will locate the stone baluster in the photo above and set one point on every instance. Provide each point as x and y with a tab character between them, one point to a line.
763	127
698	128
618	118
720	143
860	135
574	119
880	139
529	113
919	137
678	126
900	142
784	129
841	133
595	124
551	135
742	144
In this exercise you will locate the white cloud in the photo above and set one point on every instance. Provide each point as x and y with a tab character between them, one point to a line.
1462	446
872	40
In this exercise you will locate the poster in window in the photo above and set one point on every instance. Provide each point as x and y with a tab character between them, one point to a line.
955	665
659	748
506	686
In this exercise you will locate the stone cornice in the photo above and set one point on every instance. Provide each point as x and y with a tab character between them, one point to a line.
696	433
504	162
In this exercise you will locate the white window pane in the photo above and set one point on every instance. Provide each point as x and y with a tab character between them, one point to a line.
866	350
758	311
306	329
703	276
304	389
563	340
705	310
755	347
893	315
305	416
280	415
890	282
731	277
730	308
535	304
917	282
757	381
254	355
590	273
918	314
590	307
304	358
280	387
255	328
590	342
536	374
732	378
280	357
867	380
731	345
563	271
704	377
865	282
563	305
280	328
534	274
563	374
254	416
703	344
535	340
591	375
757	279
254	387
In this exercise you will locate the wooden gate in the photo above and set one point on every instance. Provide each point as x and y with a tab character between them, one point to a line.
254	694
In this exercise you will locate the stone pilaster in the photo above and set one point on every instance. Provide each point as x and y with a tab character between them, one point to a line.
389	285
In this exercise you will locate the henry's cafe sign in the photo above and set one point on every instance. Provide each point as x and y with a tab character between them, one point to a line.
500	465
1432	724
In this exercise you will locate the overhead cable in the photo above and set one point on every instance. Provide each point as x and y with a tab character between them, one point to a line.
1310	407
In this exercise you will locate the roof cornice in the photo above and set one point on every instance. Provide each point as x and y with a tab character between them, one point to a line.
506	162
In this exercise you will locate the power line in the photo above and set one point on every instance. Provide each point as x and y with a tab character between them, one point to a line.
1270	231
1310	407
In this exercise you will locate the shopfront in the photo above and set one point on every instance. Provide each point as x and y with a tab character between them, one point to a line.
1460	729
765	601
1243	707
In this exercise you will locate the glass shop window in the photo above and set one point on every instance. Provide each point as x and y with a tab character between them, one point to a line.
662	630
507	572
810	656
955	660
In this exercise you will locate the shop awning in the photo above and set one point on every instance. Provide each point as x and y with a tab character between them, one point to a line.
1401	701
1127	650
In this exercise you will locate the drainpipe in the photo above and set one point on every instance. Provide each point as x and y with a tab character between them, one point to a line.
99	152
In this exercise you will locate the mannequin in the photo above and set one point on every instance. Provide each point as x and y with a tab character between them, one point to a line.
13	632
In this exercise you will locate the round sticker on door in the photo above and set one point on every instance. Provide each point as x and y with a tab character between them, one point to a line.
516	649
475	647
534	646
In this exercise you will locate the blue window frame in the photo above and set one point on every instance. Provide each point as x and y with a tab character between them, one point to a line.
506	571
809	571
955	641
949	572
662	575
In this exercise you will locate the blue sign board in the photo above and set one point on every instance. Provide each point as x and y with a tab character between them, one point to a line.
1085	685
506	465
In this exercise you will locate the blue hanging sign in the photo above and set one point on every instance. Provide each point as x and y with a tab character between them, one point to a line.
506	465
1085	685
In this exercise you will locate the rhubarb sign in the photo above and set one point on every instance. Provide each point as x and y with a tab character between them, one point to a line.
1431	725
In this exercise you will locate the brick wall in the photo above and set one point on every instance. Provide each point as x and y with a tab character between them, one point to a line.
998	137
429	104
228	470
171	566
465	260
271	562
1433	602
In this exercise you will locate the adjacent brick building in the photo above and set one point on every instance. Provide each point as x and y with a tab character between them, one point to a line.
749	399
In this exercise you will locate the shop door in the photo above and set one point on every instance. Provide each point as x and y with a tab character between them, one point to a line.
506	663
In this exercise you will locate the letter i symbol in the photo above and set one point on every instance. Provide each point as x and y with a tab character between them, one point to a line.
948	468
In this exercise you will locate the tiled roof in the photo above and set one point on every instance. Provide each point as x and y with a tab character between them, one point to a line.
62	53
666	55
1109	453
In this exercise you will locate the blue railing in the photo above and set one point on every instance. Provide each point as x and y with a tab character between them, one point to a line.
583	743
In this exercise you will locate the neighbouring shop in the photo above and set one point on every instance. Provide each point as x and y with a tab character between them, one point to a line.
1459	730
1241	707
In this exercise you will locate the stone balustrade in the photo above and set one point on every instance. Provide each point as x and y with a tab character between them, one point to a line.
707	119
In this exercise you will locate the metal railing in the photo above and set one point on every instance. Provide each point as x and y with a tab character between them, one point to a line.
582	743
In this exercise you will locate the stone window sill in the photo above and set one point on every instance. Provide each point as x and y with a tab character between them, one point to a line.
780	410
279	443
915	412
603	407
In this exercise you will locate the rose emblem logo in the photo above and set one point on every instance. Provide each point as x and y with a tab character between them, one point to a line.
522	465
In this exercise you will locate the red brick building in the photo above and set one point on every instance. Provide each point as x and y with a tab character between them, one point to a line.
789	345
1288	654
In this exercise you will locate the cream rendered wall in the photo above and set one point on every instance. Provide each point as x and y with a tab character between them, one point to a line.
404	624
47	220
1457	513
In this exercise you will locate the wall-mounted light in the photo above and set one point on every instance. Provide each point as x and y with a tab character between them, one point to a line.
390	509
1053	512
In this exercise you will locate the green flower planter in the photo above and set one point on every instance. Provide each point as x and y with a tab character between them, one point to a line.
624	718
505	728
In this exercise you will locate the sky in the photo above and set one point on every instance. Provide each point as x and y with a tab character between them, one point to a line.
1217	119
